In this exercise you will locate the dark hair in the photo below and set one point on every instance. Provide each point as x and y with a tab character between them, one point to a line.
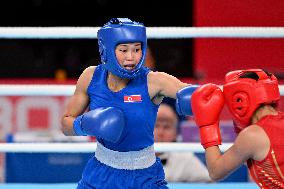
268	73
253	75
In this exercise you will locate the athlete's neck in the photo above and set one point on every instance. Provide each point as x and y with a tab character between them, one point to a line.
116	83
263	111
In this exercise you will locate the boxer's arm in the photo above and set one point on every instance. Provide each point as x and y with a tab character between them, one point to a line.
164	85
161	84
251	143
77	103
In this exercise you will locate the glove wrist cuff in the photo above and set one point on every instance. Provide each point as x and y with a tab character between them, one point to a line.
77	126
210	135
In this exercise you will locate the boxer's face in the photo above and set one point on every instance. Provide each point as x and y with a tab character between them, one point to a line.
128	55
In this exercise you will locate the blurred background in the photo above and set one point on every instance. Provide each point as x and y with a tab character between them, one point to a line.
200	59
61	61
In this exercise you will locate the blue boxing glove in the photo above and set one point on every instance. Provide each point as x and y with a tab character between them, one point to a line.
106	123
183	101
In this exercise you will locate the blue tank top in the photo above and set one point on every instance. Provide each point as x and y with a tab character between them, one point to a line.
134	100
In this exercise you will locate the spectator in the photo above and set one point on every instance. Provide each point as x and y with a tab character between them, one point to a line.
178	166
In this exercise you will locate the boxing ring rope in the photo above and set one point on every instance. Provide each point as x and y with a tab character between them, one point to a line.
81	147
90	147
67	90
50	90
152	32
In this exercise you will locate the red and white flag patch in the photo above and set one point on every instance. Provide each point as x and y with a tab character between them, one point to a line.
133	98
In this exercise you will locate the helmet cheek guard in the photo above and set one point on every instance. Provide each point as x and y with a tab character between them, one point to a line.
240	105
244	95
102	51
115	32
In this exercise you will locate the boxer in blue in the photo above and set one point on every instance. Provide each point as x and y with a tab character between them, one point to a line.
122	98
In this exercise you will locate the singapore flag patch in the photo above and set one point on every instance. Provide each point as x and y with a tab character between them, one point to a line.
133	98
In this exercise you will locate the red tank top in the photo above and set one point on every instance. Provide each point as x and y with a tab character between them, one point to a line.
269	173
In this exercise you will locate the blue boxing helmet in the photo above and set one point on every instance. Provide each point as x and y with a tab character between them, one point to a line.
115	32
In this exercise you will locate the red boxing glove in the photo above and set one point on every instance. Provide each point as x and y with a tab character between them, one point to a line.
207	103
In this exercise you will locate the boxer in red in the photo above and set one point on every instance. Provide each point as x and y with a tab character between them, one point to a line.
252	97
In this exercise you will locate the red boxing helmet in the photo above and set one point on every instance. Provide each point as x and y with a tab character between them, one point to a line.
244	95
